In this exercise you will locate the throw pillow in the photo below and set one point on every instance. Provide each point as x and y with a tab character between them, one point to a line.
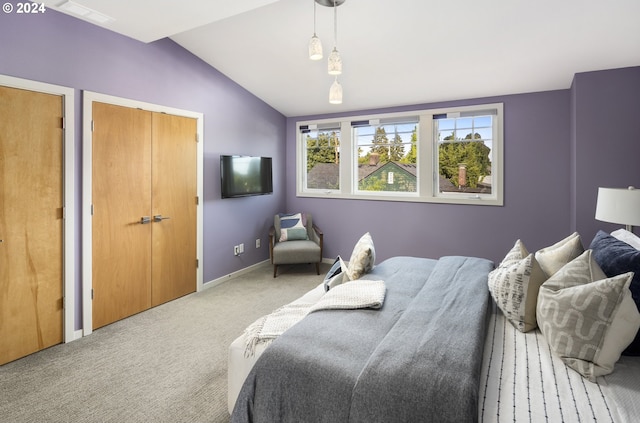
362	258
514	286
555	256
628	237
616	257
292	227
587	318
334	276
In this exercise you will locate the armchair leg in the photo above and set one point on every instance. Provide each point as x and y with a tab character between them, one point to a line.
318	268
275	270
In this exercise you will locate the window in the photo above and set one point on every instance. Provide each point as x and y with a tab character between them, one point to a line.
449	155
464	153
386	156
322	157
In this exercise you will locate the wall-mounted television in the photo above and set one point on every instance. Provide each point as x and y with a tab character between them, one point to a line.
242	176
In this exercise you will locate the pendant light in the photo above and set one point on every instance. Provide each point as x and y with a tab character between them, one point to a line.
335	92
334	64
335	61
315	45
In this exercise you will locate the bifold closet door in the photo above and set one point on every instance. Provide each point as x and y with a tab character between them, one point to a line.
121	199
31	222
144	210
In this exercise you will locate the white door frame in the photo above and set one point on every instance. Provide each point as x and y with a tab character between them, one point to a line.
87	164
68	170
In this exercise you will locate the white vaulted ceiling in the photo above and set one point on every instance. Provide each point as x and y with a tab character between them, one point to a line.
396	52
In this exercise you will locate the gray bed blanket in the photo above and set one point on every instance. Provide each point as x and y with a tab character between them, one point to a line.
417	359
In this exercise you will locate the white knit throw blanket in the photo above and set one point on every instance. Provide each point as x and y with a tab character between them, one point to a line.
349	295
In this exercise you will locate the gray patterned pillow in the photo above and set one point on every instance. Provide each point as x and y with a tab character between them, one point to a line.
514	286
362	258
587	318
555	256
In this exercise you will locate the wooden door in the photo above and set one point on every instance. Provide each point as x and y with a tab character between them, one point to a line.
31	222
144	210
121	197
174	202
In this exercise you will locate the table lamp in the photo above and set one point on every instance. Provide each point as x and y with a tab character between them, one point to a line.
619	205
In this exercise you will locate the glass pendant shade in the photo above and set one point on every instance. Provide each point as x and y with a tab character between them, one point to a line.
315	48
335	63
335	93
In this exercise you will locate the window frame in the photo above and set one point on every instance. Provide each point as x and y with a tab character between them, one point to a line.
427	154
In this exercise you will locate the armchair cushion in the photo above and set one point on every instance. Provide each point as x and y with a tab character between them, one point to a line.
293	252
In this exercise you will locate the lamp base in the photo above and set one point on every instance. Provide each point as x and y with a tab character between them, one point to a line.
329	3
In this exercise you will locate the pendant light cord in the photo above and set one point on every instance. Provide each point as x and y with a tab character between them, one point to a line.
314	17
335	24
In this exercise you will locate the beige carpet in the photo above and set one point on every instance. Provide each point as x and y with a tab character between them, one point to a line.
168	364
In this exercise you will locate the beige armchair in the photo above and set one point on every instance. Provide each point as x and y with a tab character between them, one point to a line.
294	239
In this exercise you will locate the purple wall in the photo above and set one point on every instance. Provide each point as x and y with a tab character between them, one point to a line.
606	135
559	147
536	200
61	50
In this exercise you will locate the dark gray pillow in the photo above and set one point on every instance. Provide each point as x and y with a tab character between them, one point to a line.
333	275
614	258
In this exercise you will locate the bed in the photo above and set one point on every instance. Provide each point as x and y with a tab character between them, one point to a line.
441	348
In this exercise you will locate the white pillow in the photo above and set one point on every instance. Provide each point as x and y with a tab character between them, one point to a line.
514	286
628	237
555	256
362	258
587	318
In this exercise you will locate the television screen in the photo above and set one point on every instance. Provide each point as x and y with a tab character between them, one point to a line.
241	176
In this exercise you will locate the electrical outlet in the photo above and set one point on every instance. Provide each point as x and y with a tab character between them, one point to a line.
241	248
236	250
258	243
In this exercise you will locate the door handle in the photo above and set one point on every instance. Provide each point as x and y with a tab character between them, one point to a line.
145	220
159	218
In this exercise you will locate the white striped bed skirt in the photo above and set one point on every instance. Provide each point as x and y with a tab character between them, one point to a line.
522	381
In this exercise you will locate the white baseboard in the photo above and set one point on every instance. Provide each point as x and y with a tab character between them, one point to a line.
77	334
235	274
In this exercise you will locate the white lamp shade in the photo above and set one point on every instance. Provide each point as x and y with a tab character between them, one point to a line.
619	205
315	48
335	93
335	63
